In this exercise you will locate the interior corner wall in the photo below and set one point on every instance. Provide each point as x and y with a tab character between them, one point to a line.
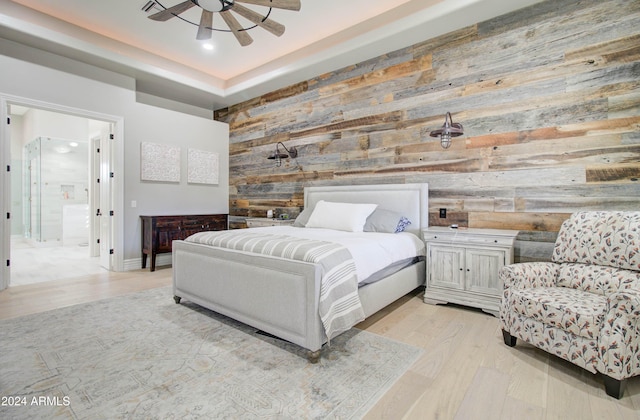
142	123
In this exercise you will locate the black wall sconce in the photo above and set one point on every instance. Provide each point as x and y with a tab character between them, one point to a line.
278	156
449	129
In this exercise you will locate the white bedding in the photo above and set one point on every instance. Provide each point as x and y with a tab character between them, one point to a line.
371	251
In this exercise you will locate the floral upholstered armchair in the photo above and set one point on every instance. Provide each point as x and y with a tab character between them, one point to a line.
584	305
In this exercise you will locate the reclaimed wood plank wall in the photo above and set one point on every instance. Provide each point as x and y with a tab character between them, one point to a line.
549	97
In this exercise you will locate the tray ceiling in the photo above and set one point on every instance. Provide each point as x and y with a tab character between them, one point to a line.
166	60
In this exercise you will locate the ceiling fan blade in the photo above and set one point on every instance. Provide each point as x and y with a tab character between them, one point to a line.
172	11
270	25
242	36
204	30
277	4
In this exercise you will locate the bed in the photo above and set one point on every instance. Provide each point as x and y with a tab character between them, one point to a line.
281	296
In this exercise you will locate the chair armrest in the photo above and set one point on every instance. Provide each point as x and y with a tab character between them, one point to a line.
523	276
624	303
618	341
529	275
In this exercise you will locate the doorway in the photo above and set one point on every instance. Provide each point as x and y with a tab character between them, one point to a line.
55	229
54	195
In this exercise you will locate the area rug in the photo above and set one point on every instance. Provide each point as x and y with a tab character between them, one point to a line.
143	356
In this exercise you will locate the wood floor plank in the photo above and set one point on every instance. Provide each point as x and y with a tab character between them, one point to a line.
460	356
483	402
568	392
528	368
397	402
521	410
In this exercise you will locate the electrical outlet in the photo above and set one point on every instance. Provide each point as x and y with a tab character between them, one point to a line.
443	213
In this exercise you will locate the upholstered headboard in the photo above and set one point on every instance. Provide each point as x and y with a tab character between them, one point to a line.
409	199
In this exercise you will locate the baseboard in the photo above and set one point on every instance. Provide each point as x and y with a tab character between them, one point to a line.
136	263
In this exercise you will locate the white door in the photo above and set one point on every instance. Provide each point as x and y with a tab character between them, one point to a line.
94	197
105	211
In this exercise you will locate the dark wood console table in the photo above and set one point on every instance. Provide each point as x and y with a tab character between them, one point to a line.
159	231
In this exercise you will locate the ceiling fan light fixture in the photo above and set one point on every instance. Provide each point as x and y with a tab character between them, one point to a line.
214	5
225	9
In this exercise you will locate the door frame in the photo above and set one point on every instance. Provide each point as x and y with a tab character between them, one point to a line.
117	182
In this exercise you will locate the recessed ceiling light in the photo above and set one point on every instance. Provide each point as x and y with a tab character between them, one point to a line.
207	46
73	144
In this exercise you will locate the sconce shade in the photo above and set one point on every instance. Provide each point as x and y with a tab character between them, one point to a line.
278	155
448	130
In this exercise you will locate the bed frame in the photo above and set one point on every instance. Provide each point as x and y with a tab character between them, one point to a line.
280	296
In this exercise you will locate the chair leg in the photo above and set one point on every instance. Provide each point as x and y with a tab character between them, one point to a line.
509	340
614	387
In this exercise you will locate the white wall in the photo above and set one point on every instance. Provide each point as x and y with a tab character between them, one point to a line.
156	125
142	123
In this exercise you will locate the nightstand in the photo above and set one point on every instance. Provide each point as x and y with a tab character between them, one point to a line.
264	221
463	265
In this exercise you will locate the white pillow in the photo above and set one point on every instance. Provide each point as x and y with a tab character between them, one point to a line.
340	216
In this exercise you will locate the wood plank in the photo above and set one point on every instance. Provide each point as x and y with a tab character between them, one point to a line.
621	172
518	221
482	402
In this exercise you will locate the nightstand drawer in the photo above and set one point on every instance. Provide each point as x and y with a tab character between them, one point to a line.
264	222
461	237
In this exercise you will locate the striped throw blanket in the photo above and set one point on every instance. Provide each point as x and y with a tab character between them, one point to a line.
339	306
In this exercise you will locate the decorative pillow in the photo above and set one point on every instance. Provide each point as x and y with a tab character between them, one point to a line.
402	224
349	217
387	221
303	217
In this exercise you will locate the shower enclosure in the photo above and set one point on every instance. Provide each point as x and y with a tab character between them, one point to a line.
55	192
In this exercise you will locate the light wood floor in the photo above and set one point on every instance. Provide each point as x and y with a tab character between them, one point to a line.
466	371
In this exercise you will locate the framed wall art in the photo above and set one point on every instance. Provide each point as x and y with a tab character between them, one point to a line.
202	167
159	162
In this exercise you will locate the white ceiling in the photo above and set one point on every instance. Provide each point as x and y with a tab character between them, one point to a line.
167	61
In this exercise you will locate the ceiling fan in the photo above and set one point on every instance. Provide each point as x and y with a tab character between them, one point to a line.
224	8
